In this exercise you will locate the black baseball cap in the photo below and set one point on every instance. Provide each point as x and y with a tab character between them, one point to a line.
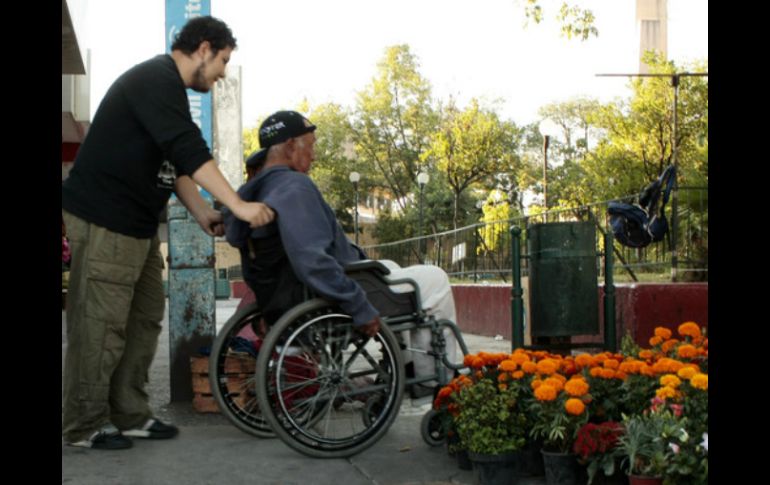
277	128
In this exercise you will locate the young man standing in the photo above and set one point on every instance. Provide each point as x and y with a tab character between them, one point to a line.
142	146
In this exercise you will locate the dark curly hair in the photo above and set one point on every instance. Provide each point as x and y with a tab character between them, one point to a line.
198	29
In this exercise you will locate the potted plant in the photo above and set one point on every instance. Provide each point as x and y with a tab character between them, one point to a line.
645	444
597	447
560	409
492	428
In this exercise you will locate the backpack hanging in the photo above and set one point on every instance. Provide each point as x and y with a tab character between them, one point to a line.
639	224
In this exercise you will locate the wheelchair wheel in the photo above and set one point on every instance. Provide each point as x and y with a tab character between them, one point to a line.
232	372
317	380
432	428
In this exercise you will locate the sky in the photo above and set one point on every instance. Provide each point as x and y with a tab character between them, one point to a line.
327	50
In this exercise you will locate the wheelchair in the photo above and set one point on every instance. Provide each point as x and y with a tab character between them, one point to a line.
323	388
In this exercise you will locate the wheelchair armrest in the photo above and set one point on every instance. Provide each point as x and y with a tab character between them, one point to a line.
367	265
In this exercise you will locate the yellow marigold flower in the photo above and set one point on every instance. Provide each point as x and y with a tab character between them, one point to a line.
686	373
655	341
574	406
666	392
687	351
529	367
595	372
584	360
607	373
670	380
700	381
576	387
663	333
507	366
547	366
689	329
545	393
611	364
518	374
554	382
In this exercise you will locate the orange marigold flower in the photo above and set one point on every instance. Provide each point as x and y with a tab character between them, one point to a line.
611	364
477	362
655	341
700	381
621	375
607	373
536	383
687	351
502	387
665	392
595	372
686	372
576	387
674	366
574	406
545	393
519	357
670	380
689	329
444	392
600	358
646	370
518	374
584	360
668	345
502	377
663	333
547	366
645	354
529	367
468	360
508	366
554	382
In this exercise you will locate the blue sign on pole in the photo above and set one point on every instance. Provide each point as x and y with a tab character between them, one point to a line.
178	12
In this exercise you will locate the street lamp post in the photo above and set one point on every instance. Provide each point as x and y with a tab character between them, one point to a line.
422	179
548	129
355	177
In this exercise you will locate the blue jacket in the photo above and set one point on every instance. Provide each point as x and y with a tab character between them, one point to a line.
311	236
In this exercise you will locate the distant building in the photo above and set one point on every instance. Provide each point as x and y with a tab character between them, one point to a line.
652	24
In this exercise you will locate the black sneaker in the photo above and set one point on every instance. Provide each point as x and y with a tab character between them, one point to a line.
106	438
153	429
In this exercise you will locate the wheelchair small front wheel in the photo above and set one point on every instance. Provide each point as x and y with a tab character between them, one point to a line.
432	428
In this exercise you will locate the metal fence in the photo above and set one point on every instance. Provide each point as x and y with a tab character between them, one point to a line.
482	252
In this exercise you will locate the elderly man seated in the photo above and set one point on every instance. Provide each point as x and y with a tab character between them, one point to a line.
304	248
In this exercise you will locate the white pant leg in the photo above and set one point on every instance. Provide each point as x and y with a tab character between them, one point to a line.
437	300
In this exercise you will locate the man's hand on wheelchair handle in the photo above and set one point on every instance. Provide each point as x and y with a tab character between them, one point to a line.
370	328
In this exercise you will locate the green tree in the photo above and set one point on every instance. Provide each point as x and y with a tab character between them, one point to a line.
470	146
637	143
576	21
393	120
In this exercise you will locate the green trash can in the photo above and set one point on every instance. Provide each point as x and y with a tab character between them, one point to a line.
563	287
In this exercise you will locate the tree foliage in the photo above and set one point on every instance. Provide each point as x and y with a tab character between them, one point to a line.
394	118
470	146
576	21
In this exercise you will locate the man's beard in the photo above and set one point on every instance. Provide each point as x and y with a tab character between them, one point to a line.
199	81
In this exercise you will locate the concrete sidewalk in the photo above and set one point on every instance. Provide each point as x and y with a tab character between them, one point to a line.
210	450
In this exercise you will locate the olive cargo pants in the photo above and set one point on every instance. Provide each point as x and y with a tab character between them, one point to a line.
115	304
